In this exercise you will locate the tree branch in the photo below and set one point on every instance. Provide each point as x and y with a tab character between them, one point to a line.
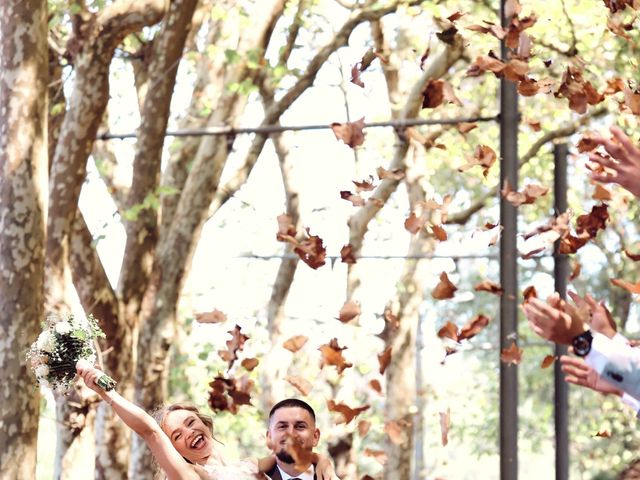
462	217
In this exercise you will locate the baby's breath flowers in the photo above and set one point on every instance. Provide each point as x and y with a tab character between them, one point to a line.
61	344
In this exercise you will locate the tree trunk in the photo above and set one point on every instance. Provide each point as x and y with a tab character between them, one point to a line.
23	171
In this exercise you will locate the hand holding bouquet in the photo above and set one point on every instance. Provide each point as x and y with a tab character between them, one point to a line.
62	343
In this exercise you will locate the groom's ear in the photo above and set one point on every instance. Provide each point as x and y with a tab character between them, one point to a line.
316	437
269	441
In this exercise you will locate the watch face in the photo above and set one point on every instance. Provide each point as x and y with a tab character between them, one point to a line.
582	344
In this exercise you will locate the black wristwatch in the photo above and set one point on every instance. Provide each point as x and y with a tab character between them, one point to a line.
582	343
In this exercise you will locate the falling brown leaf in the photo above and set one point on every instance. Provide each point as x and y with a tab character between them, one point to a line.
378	455
295	343
513	354
475	326
303	385
414	224
484	156
250	363
350	133
464	127
444	289
347	412
527	196
384	359
534	125
228	394
395	432
591	222
395	174
437	91
332	355
311	251
234	345
547	361
445	423
575	271
603	434
601	193
364	185
632	256
346	254
286	229
355	199
355	76
439	232
375	386
302	456
449	330
363	427
632	100
349	311
489	286
631	287
391	319
215	316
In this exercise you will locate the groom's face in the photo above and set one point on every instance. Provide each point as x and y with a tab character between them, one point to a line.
294	422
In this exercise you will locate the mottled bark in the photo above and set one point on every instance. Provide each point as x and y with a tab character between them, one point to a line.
142	232
91	48
102	33
23	171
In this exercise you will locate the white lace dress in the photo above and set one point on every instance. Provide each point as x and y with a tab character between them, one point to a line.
239	470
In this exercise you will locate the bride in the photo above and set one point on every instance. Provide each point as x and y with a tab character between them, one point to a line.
181	440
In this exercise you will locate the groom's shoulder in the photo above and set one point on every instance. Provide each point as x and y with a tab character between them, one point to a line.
274	473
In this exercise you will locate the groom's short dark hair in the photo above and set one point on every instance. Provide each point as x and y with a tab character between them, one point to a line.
292	402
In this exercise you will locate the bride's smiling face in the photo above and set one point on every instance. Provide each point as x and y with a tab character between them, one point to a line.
189	435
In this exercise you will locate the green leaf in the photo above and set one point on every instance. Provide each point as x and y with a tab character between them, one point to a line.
232	56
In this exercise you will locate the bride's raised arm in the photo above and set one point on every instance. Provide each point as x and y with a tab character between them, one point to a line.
173	464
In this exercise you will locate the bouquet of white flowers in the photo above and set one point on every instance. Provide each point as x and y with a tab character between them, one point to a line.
61	344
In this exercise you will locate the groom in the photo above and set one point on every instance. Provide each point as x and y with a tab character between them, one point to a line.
296	419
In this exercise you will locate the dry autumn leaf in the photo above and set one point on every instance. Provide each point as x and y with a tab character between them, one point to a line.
513	354
349	311
547	361
384	359
391	319
414	224
444	289
575	271
375	386
603	434
215	316
250	363
445	423
355	199
332	355
346	254
489	286
390	174
529	292
632	256
378	455
475	326
234	345
295	343
484	156
347	412
631	287
449	330
351	133
301	384
363	427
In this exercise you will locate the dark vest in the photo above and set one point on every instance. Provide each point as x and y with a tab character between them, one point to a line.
274	473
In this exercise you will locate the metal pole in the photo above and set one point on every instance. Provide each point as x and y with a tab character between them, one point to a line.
509	120
561	273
